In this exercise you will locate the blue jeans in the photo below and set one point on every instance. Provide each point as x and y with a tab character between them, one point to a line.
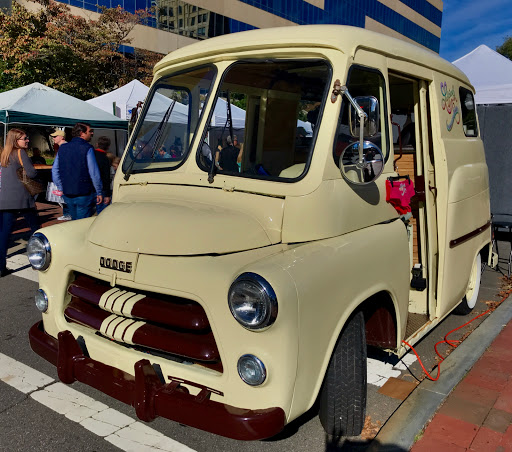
81	206
7	218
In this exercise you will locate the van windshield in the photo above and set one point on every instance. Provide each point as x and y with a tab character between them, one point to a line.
162	139
264	119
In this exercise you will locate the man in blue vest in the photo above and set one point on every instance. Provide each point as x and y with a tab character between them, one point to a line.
76	173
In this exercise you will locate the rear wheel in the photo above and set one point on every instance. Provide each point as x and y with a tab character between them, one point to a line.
469	301
343	394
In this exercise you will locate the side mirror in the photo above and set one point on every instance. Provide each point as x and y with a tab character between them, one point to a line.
370	106
361	167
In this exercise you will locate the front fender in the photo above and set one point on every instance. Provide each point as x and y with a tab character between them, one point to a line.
333	278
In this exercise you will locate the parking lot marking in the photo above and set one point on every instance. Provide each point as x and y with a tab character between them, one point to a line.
20	376
21	266
115	427
379	372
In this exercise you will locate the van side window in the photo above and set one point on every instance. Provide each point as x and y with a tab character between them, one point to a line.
362	82
468	107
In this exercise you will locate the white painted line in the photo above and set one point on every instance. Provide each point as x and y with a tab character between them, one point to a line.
20	261
136	435
115	427
20	376
379	372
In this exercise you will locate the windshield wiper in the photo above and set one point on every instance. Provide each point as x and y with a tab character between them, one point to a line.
158	132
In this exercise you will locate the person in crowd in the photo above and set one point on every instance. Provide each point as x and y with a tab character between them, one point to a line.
206	154
178	146
76	173
113	169
240	148
162	154
37	158
15	200
103	162
228	157
59	138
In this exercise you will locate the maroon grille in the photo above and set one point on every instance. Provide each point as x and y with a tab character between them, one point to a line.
165	324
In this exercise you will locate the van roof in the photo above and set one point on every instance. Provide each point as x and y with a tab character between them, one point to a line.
341	37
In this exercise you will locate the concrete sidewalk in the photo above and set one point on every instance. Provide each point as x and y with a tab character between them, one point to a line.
477	415
469	408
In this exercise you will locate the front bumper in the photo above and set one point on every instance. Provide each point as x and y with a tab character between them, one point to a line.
149	396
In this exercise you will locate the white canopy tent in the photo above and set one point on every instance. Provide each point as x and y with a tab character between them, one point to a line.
124	99
490	73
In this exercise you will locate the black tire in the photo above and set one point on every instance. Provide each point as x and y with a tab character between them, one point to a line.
343	394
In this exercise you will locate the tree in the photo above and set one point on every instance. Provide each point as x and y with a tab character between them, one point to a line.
505	49
70	53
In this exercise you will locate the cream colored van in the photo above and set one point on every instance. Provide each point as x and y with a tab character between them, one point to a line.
289	197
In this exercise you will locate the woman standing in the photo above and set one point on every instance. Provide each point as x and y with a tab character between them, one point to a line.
15	200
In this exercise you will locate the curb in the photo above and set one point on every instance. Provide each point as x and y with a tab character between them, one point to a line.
400	430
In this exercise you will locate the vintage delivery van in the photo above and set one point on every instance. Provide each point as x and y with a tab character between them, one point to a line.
231	286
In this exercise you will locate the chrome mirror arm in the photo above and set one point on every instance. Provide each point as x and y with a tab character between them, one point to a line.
362	116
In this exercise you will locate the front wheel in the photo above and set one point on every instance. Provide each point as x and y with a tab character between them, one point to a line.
343	394
469	301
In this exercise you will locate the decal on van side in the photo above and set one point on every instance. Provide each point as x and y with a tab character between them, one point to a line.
449	103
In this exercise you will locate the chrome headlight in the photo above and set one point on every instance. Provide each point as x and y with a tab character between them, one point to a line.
41	300
39	251
252	301
251	370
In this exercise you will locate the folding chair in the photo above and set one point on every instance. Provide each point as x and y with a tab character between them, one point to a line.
502	232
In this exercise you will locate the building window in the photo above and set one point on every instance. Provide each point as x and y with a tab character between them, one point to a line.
193	21
467	103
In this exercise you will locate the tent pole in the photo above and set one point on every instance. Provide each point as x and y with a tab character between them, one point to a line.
5	126
115	139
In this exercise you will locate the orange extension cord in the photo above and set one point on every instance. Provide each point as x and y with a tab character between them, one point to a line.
452	343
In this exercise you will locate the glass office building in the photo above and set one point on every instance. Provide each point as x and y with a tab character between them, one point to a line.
414	20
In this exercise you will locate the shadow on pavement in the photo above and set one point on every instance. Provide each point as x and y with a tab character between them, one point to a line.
349	445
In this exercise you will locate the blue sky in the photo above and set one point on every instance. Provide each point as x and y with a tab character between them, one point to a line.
469	23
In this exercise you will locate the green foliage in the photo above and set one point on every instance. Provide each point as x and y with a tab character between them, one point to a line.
505	49
70	53
239	100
